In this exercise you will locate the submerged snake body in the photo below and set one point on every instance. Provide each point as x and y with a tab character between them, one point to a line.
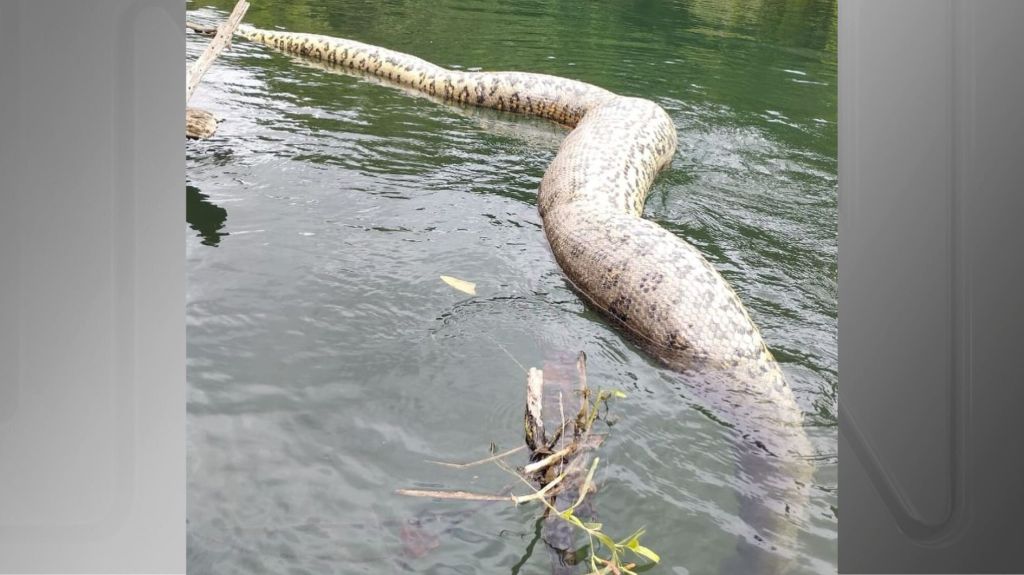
591	199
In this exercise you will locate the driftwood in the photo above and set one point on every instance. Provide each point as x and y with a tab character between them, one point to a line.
200	123
556	457
534	419
558	421
561	405
557	424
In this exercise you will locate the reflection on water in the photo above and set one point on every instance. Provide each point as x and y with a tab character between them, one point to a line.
204	216
327	361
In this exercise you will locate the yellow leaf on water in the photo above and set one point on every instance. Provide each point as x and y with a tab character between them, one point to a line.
461	285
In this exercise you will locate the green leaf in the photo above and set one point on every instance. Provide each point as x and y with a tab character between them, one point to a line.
645	553
605	540
633	539
568	516
619	394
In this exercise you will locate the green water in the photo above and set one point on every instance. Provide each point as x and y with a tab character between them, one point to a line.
326	360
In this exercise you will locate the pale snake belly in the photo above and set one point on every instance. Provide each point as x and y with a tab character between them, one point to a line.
654	285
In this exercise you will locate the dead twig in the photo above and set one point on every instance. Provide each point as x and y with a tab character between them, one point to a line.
467	496
480	461
461	495
550	460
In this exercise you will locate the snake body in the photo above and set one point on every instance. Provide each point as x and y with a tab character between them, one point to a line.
652	283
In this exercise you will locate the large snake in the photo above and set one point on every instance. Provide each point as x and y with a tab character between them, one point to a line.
649	281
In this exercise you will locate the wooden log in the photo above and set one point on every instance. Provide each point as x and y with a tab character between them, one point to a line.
221	41
200	123
534	418
558	450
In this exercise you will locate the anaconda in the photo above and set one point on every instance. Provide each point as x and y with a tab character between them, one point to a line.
653	284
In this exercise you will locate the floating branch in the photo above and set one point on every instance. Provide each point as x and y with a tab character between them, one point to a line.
200	123
561	472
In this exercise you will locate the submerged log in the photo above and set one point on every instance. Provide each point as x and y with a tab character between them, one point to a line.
557	427
200	123
558	422
557	414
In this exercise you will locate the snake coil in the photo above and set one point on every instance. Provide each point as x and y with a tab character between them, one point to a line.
652	283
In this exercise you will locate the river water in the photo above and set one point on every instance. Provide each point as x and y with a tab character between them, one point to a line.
327	362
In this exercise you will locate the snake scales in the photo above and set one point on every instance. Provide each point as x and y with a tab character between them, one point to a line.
653	284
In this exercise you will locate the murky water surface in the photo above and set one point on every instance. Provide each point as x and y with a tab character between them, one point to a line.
326	360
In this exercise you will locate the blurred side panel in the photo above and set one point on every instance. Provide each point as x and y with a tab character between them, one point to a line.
91	286
931	201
